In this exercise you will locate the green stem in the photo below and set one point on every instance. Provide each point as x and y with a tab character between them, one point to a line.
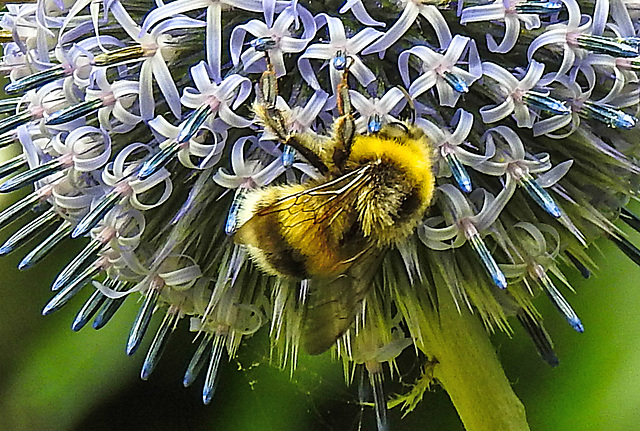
469	370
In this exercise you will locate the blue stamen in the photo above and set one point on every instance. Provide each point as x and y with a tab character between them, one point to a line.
71	289
9	105
89	308
159	343
540	196
191	125
374	124
546	103
210	383
109	308
379	400
18	209
455	82
231	224
27	232
631	40
538	7
36	80
93	217
197	363
340	61
159	160
45	246
74	112
10	123
607	45
263	44
561	303
490	265
459	172
614	118
78	262
32	175
288	156
142	320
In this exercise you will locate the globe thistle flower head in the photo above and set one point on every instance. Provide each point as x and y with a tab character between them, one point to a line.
374	179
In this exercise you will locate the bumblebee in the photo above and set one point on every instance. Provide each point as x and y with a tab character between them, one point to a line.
374	192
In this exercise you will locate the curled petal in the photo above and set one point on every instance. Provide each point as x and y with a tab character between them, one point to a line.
362	39
498	73
440	26
361	14
140	186
233	119
511	31
556	122
397	30
489	12
362	73
512	139
424	82
554	175
522	115
497	113
533	75
183	278
464	122
531	22
435	238
492	207
458	203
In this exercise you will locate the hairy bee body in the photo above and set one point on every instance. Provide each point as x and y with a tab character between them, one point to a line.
373	199
333	231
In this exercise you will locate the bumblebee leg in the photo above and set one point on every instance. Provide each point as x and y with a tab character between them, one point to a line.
273	119
266	107
345	127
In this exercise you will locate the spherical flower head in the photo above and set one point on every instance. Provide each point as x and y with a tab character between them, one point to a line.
381	181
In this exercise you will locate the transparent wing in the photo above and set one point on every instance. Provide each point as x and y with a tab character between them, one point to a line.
321	203
332	304
320	219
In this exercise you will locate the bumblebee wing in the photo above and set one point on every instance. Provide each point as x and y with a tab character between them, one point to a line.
317	202
312	233
332	304
305	232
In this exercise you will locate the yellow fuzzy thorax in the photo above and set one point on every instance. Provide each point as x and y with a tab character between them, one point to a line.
411	152
406	151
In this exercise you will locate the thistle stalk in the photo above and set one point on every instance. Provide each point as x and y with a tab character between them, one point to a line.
469	369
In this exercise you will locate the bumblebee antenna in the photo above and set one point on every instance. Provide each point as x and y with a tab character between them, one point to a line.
412	106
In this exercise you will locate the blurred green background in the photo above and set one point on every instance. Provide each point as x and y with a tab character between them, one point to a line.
54	379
